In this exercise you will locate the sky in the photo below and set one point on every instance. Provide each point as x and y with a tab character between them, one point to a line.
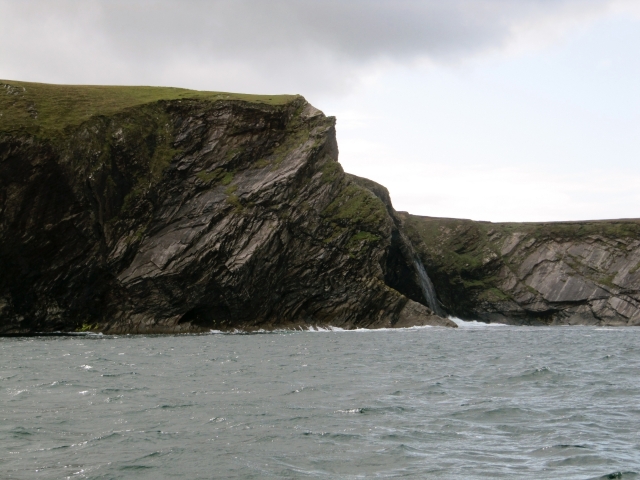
495	110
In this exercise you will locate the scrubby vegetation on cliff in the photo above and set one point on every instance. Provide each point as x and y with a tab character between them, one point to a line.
558	272
140	209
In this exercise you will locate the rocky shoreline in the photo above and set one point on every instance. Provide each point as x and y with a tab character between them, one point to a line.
156	210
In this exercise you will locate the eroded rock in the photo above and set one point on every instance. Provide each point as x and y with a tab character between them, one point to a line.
192	214
573	273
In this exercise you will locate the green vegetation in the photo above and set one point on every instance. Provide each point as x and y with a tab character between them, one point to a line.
331	171
458	245
218	175
492	294
356	204
160	160
608	281
130	199
298	134
232	198
235	201
261	163
464	258
210	177
614	229
137	236
46	109
87	327
356	241
355	209
227	179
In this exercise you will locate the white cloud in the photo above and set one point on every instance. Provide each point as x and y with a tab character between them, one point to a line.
297	46
510	194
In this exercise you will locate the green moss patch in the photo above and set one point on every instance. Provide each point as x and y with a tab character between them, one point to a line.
88	327
360	239
210	177
227	179
357	205
331	171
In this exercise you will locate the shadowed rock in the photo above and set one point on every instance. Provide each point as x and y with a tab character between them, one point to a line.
569	273
192	213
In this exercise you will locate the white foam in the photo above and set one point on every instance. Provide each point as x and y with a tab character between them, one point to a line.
320	329
368	330
474	323
352	410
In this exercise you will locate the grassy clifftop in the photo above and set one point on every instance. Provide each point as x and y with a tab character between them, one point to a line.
46	109
462	246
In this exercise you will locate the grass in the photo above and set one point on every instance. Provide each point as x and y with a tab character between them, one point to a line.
227	179
608	281
354	209
493	294
218	175
361	239
356	204
331	171
209	177
87	327
47	108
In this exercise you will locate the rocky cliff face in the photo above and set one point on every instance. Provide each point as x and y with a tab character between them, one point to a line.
544	273
142	210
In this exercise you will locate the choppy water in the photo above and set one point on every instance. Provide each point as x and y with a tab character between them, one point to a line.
487	402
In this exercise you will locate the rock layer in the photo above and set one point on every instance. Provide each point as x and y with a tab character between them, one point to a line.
566	273
192	214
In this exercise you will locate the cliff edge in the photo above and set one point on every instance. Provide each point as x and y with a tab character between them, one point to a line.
158	210
560	273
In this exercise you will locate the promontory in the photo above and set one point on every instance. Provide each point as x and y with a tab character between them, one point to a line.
165	210
157	210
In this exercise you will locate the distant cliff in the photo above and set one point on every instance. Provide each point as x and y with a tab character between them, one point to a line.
137	209
533	273
144	209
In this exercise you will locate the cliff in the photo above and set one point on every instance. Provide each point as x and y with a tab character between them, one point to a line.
533	273
138	209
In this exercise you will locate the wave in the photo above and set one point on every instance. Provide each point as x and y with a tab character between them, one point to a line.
351	410
474	323
318	329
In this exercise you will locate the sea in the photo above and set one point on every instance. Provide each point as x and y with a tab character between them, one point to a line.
476	402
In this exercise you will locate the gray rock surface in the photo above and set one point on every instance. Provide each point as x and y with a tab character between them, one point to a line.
567	273
190	215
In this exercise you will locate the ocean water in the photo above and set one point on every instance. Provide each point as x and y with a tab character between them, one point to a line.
468	403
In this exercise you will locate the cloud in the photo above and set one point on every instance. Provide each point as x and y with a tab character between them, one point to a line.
509	194
251	45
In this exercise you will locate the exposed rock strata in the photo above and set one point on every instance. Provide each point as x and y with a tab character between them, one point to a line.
194	214
533	273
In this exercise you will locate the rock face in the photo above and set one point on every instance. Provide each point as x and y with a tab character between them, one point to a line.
190	212
545	273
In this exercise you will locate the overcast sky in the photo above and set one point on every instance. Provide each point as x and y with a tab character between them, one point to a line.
498	110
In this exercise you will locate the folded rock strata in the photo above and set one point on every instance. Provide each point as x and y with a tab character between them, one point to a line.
190	212
561	273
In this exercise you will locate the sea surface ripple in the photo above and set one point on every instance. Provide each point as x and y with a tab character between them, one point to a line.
469	403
